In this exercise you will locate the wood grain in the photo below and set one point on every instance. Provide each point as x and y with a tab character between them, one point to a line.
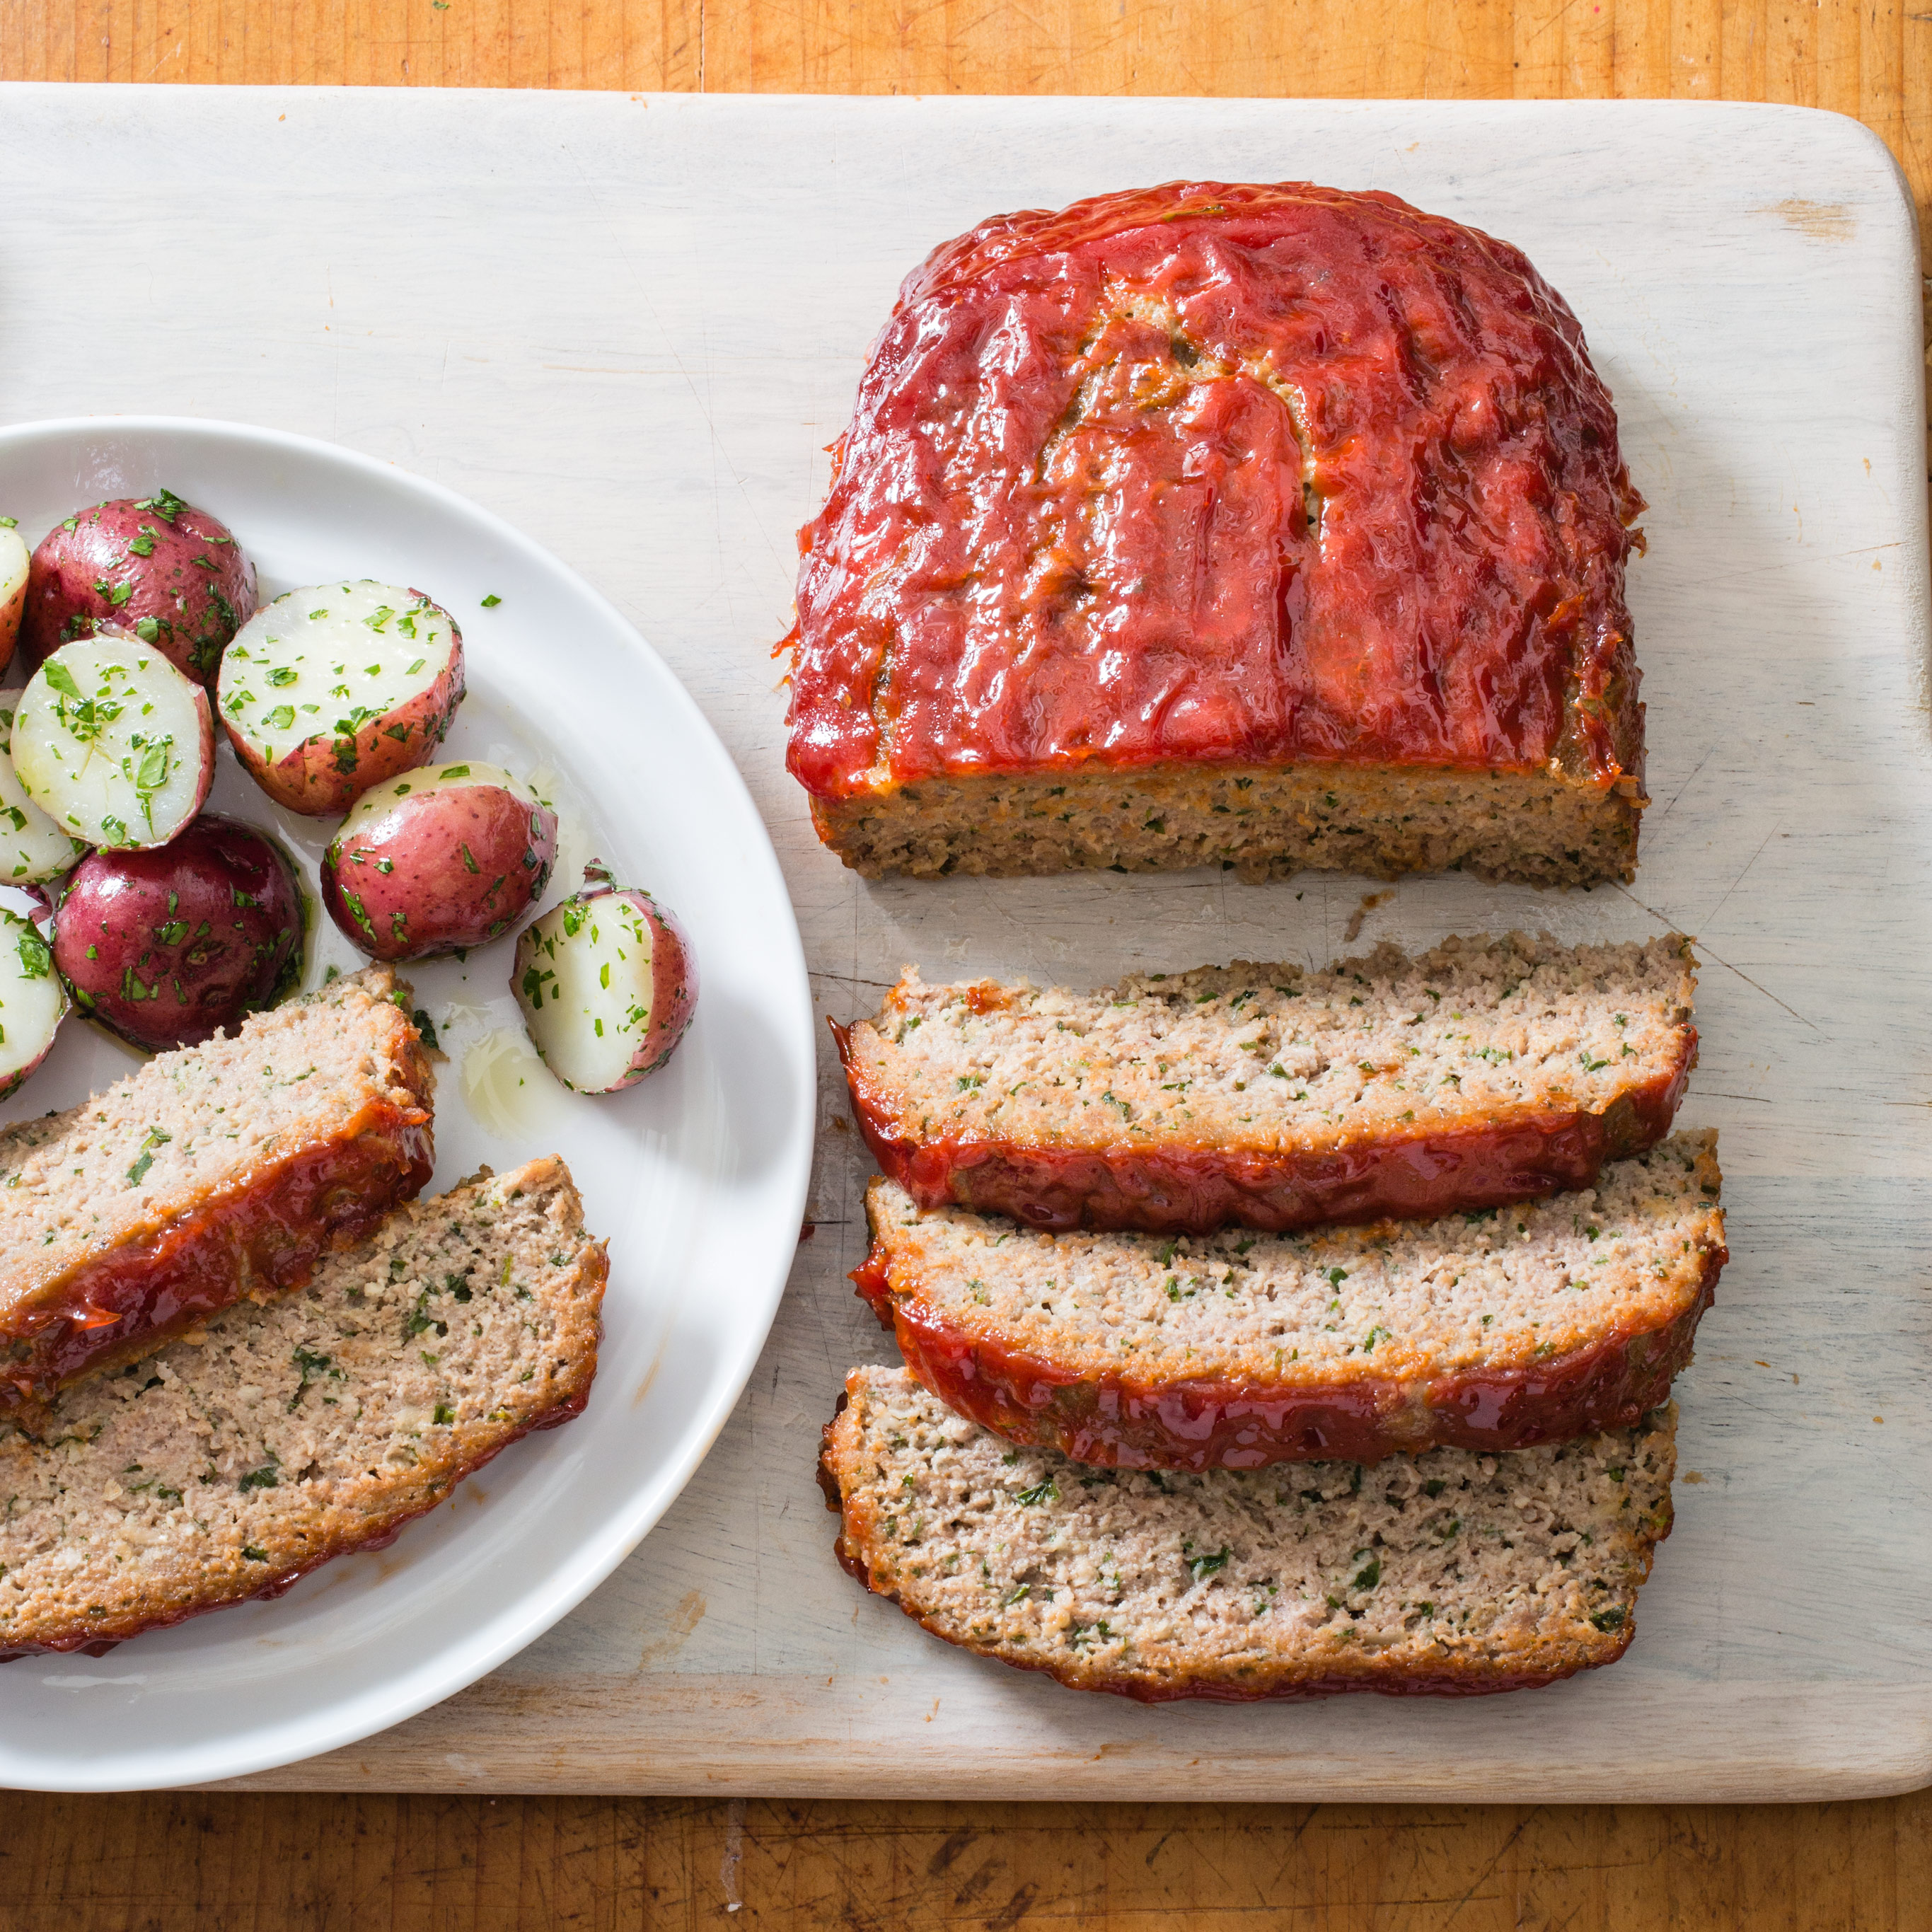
182	1863
179	1861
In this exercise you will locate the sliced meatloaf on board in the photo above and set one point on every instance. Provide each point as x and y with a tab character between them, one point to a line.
215	1173
1493	1330
1483	1071
242	1455
1448	1572
1263	526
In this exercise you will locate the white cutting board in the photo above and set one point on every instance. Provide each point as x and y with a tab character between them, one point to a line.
631	324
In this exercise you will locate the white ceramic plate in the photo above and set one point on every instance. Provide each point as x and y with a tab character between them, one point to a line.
696	1177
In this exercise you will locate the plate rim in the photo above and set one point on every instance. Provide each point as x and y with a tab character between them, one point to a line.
335	1724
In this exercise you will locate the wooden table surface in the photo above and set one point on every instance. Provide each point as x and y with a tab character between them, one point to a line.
215	1863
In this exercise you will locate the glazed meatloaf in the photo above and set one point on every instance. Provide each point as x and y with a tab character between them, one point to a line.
261	1444
215	1173
1447	1572
1484	1072
1263	527
1492	1331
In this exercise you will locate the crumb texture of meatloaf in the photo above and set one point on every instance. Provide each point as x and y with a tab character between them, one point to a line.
246	1452
1483	1071
1492	1331
1269	526
215	1173
1448	1572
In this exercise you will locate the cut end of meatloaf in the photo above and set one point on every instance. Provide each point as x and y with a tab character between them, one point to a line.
1448	1572
1489	1330
214	1173
1484	1071
239	1457
1539	828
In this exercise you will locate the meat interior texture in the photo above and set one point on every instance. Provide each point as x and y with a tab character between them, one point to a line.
1489	1331
1448	1572
1244	476
237	1459
213	1173
1484	1070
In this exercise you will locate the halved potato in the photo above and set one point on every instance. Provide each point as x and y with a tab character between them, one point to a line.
607	983
16	563
32	847
332	689
33	1002
439	861
113	743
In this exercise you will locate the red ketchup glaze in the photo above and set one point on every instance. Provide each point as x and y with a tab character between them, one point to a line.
1250	475
1177	1188
1472	1681
1119	1422
264	1241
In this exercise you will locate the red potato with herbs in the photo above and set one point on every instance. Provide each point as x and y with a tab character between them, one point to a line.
32	1001
607	985
15	566
333	689
113	743
154	566
165	946
438	862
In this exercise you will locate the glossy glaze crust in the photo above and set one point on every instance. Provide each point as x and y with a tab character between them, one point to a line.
1209	474
374	1532
1216	1422
1291	1684
257	1241
1177	1188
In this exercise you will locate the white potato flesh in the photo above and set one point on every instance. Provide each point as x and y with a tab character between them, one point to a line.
426	783
15	561
32	1000
31	845
587	978
329	660
113	743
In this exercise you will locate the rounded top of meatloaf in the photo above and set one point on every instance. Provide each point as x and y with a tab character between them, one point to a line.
1243	474
193	1126
1443	1570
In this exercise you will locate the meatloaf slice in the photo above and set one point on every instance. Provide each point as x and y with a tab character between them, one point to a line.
1485	1072
1263	526
1495	1329
246	1452
1447	1572
216	1173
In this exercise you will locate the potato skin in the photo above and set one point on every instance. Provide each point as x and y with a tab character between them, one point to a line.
208	928
324	775
673	983
13	602
440	870
172	575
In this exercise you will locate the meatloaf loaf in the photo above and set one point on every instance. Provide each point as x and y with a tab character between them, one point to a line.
216	1173
1448	1572
1266	526
252	1449
1492	1331
1484	1072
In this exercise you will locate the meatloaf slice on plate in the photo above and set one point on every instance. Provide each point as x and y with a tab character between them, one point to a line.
1484	1072
1495	1330
1448	1572
216	1173
1263	527
235	1460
